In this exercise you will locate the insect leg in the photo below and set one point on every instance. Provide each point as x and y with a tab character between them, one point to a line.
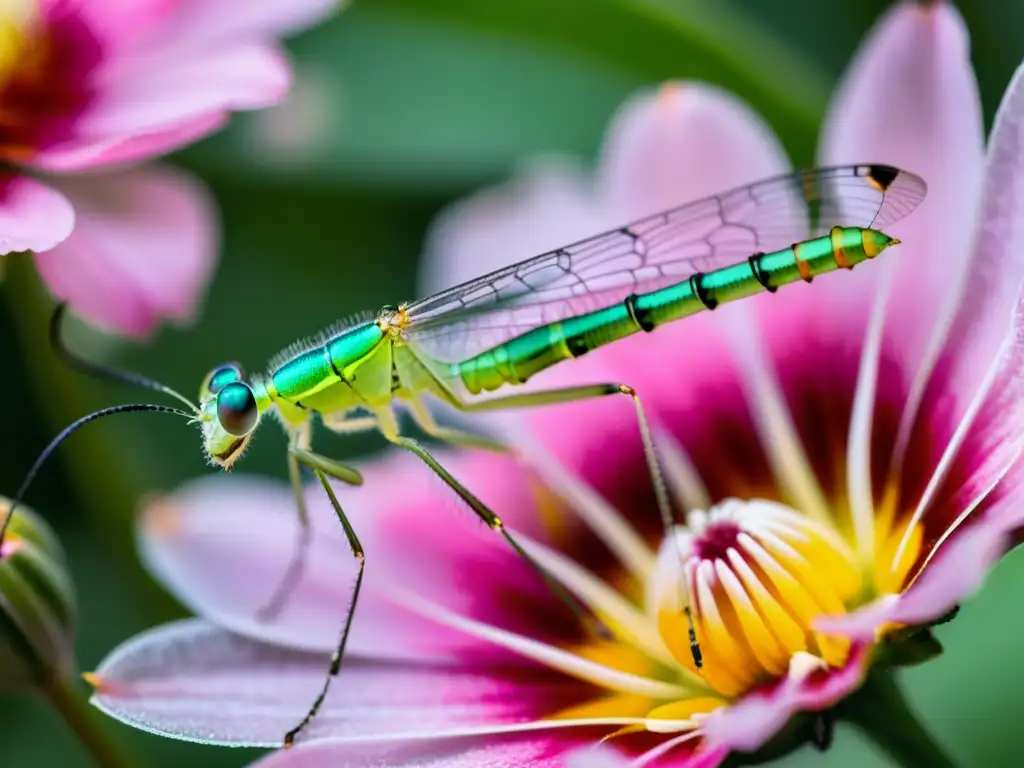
348	426
586	392
389	428
297	565
318	463
425	420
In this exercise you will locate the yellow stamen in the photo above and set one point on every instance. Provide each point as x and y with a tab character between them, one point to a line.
685	710
617	656
616	705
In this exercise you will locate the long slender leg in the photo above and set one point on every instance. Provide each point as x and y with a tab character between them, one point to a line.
315	462
343	426
299	446
425	420
389	427
297	564
586	392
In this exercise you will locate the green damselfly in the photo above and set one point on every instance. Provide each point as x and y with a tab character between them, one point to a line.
500	330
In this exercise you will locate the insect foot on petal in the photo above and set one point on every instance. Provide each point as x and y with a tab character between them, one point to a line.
37	605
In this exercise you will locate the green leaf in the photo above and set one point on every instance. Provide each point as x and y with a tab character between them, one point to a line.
446	94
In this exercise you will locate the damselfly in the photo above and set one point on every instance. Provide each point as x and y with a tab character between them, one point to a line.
500	330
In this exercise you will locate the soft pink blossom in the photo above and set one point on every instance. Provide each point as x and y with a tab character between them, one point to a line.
845	456
87	87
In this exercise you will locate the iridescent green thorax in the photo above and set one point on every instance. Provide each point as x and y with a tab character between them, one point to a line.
325	364
520	358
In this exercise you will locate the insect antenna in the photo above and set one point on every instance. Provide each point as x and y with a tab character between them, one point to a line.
67	432
100	370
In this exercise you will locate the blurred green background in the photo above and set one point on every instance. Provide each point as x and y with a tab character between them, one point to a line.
401	107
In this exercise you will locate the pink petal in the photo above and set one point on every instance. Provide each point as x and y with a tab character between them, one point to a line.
603	756
33	216
997	265
597	756
213	22
146	99
534	752
992	289
683	143
546	206
910	99
143	249
748	724
222	546
190	680
77	155
984	446
434	544
702	407
114	21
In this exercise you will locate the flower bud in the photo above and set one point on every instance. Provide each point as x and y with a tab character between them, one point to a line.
37	604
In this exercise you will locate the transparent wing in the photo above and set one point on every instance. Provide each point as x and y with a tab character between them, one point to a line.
657	251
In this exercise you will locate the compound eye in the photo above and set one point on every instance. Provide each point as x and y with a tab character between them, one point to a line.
220	377
236	409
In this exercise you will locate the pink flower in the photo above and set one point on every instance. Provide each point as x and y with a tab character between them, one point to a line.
88	87
845	456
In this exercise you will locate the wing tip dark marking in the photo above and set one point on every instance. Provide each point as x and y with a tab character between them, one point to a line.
882	176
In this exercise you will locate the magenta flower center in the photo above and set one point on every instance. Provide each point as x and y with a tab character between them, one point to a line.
716	541
755	574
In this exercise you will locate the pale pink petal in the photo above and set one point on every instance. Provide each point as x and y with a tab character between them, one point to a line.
991	290
222	546
597	756
449	753
33	216
198	23
683	143
77	155
547	205
910	99
143	249
549	656
604	756
748	724
997	265
148	99
190	680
